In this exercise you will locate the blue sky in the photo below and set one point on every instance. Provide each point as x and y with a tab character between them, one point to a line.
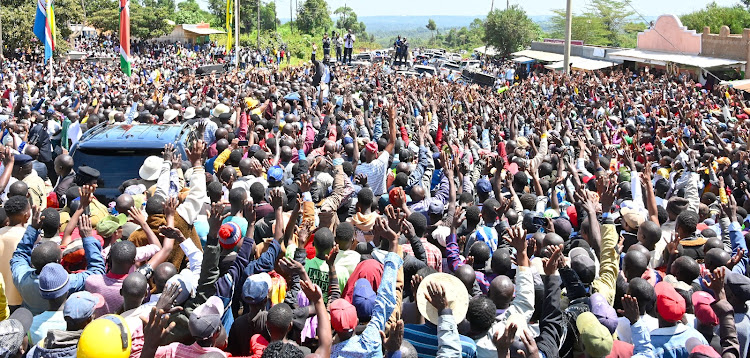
480	7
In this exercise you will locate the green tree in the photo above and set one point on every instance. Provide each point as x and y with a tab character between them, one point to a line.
189	12
248	14
18	22
145	22
736	17
613	14
167	5
348	20
431	26
314	16
510	29
587	28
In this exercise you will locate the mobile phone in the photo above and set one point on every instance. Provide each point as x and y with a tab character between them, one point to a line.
243	143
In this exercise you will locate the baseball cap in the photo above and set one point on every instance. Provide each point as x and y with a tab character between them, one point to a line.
603	311
696	349
275	173
395	194
739	284
372	147
596	339
229	235
436	207
255	289
184	280
363	299
633	217
107	226
21	159
343	315
81	305
669	303
582	264
53	281
205	320
702	301
484	186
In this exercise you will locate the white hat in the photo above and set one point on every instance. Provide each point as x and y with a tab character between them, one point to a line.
220	109
455	293
189	113
112	116
151	168
170	114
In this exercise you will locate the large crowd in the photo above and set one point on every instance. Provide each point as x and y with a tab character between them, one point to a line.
350	211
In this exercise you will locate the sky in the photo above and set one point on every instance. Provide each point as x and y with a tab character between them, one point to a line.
481	7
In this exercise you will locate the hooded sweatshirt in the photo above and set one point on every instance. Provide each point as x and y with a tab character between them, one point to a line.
58	344
363	223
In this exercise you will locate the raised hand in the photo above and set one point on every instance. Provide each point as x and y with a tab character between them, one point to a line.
277	199
87	196
435	295
215	217
138	217
36	217
249	211
84	226
195	153
167	298
517	238
311	290
305	183
172	233
736	258
553	262
630	306
331	257
503	341
717	282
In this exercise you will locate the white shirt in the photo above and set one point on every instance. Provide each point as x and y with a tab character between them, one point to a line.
349	40
74	132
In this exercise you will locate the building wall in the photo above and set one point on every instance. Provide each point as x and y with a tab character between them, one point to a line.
669	35
725	45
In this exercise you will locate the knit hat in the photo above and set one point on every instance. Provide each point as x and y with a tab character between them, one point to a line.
229	235
53	281
109	225
363	299
596	339
13	330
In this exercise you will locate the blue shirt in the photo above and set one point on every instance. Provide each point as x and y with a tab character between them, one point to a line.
369	343
424	338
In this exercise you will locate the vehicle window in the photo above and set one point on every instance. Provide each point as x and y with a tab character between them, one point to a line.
115	166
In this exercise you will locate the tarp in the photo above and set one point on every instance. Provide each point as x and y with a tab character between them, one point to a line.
539	55
581	63
662	58
523	59
201	30
743	85
485	51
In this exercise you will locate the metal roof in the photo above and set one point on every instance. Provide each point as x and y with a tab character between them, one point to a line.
662	58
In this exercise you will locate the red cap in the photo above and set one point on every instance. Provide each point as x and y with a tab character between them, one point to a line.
372	146
649	147
588	178
669	303
343	315
705	351
573	215
702	301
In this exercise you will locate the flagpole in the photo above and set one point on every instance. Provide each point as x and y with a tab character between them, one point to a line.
237	34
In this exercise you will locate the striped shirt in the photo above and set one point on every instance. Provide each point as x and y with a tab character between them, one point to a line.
424	338
433	253
375	172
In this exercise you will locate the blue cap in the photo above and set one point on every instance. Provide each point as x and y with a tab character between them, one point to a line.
255	289
484	186
22	159
53	281
275	173
81	305
348	140
253	148
363	299
436	207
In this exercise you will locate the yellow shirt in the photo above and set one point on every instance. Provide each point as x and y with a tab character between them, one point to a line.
10	236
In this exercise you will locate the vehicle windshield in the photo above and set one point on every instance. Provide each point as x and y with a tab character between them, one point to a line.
423	70
451	66
115	166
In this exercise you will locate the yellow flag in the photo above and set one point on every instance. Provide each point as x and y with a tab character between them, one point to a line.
230	14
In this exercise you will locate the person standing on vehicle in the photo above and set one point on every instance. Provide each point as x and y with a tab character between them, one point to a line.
404	50
326	46
348	46
397	48
339	42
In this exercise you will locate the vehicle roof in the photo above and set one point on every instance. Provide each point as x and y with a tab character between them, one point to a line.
132	136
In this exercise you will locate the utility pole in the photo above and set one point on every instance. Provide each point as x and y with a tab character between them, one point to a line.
568	24
237	34
257	39
1	35
492	7
291	17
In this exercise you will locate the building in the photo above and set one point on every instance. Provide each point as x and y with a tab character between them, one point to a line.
582	57
669	46
190	33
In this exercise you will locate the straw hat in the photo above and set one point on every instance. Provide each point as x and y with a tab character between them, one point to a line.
455	293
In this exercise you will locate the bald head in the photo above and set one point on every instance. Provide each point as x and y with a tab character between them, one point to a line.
32	151
162	273
501	291
63	164
716	258
123	203
466	274
636	263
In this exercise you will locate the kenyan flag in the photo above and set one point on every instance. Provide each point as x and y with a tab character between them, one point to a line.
125	36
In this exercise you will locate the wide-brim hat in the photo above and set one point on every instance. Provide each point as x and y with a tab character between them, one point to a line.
151	168
455	293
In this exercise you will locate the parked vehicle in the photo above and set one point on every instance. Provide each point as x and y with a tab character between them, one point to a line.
118	151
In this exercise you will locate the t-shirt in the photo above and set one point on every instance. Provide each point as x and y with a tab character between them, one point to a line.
108	286
317	270
376	173
44	322
242	222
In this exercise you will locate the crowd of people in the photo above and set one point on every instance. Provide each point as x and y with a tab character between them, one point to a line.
585	215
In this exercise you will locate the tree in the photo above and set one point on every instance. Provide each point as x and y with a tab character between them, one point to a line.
348	21
510	29
736	17
18	22
189	12
248	14
431	26
145	23
589	29
613	15
314	16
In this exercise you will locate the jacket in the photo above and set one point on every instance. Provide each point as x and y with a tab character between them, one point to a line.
551	323
58	344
